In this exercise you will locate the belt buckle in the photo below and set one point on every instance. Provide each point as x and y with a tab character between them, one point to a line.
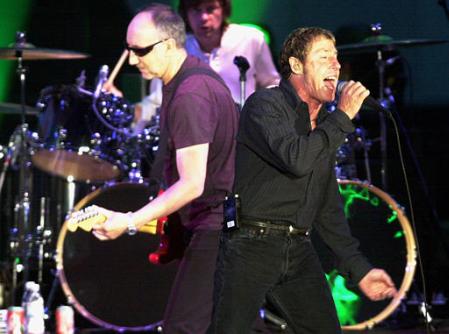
290	229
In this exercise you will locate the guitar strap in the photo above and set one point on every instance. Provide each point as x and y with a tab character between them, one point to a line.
156	175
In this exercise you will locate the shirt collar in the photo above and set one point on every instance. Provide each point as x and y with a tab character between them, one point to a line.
291	96
294	100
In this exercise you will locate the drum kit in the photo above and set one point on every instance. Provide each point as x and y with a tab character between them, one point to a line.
84	152
373	215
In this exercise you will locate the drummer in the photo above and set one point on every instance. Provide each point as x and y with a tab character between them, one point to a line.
215	41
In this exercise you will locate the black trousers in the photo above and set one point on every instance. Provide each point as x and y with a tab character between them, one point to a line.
189	306
282	269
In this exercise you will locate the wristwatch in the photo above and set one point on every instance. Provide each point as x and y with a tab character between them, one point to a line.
131	228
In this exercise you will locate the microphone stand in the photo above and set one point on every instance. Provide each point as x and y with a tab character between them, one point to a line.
243	66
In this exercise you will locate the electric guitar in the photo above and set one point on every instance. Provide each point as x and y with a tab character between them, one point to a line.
86	218
170	229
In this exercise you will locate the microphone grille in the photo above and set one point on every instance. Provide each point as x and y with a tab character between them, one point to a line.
340	86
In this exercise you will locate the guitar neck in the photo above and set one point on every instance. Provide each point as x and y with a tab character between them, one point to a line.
86	220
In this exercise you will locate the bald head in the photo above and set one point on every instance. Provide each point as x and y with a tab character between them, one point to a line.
160	22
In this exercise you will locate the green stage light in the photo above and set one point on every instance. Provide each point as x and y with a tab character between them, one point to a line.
13	16
265	32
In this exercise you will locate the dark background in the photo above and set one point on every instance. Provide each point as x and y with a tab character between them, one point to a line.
419	80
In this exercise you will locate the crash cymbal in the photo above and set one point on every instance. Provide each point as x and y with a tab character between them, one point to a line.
13	108
30	52
385	43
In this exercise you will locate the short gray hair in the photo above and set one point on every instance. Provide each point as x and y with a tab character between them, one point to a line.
167	22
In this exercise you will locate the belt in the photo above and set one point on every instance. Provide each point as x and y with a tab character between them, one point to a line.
264	227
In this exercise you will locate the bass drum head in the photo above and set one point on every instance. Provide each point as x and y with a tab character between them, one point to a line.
112	283
386	239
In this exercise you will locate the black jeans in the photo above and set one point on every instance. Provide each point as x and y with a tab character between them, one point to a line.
282	269
189	306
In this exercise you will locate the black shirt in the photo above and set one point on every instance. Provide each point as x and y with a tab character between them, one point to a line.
285	171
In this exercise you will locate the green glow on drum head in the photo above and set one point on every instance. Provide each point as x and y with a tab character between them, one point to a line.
353	192
375	223
346	301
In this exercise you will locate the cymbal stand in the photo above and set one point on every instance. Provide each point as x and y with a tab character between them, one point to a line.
21	231
376	28
380	63
365	145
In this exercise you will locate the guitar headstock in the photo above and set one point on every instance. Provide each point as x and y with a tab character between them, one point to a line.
84	219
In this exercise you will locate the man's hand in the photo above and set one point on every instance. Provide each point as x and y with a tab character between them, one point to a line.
111	89
377	285
351	98
115	225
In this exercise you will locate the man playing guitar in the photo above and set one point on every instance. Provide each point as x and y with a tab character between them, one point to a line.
200	121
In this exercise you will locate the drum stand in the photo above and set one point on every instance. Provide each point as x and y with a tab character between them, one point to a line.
21	235
366	144
20	231
380	63
388	102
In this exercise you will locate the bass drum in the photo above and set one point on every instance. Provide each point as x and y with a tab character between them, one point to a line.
386	239
112	283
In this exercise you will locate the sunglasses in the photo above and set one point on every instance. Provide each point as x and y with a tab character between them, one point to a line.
141	52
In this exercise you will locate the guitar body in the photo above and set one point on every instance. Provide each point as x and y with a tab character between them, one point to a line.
173	241
172	233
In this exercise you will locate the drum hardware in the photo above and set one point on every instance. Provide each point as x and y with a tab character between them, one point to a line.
366	145
139	151
22	237
101	80
116	115
32	244
20	232
380	41
13	108
135	172
43	236
379	44
384	43
70	142
346	166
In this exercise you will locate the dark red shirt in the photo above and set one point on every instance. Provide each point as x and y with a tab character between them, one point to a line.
201	111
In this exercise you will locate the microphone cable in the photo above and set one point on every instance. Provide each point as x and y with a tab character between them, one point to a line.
413	223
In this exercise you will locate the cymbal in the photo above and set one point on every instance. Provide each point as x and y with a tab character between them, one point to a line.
13	108
33	53
385	43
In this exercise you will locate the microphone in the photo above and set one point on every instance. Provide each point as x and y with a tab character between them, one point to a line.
243	66
369	101
102	78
